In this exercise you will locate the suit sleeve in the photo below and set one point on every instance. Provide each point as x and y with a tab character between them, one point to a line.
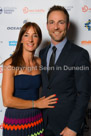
82	83
40	53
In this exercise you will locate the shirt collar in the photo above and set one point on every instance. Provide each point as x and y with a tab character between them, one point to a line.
61	44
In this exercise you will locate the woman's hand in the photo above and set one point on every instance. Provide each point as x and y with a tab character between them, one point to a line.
47	102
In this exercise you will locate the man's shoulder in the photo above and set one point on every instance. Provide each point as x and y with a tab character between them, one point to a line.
44	49
76	48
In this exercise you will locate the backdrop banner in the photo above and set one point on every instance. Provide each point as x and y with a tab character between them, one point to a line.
13	15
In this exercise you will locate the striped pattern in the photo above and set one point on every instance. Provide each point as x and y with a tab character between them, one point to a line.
25	126
23	123
40	133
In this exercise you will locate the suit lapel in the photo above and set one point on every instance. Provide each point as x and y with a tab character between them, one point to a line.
61	60
63	55
44	62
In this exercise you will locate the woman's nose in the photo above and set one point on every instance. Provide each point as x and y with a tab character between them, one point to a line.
30	39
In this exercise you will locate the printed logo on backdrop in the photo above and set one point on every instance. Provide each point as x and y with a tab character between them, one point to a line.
11	53
85	43
12	43
13	28
1	109
1	42
1	10
7	10
0	59
1	70
1	126
88	25
27	10
69	8
25	21
86	9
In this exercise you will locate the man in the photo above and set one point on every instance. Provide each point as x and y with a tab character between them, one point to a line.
68	77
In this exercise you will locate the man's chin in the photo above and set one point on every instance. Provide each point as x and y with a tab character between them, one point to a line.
59	40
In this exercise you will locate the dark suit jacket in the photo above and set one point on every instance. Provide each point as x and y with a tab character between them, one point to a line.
70	84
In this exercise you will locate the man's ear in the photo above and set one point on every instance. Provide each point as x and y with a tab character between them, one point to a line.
68	25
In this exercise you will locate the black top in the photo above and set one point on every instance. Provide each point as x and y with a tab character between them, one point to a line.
27	86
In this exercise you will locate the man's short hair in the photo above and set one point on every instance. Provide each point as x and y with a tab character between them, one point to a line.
58	8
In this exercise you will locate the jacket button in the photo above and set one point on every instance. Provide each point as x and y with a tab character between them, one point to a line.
48	87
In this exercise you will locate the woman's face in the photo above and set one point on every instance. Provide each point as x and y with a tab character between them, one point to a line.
30	40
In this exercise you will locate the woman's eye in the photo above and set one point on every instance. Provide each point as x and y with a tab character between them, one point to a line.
35	35
26	35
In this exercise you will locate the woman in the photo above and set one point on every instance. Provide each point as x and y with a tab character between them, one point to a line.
20	87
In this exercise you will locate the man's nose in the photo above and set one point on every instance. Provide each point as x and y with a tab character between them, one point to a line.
56	26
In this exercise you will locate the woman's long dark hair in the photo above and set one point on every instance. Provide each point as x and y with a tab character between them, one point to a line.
17	58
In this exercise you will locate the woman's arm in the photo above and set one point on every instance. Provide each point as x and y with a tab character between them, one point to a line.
8	89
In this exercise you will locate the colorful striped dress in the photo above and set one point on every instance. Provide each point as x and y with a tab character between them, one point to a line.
24	122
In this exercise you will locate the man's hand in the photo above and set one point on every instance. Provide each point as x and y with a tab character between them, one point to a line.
68	132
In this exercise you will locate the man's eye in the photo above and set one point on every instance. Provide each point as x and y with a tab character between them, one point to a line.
51	22
62	22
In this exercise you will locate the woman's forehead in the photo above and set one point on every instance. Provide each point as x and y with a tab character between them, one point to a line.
31	28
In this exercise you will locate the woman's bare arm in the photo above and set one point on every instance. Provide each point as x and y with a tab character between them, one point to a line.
8	89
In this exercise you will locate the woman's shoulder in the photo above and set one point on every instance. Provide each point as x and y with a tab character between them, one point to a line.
8	62
8	67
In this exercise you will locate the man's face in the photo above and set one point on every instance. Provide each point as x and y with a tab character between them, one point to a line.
57	26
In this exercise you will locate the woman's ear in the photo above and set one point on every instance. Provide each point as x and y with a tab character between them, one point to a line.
21	42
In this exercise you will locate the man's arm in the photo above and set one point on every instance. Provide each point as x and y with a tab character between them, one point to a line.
82	83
